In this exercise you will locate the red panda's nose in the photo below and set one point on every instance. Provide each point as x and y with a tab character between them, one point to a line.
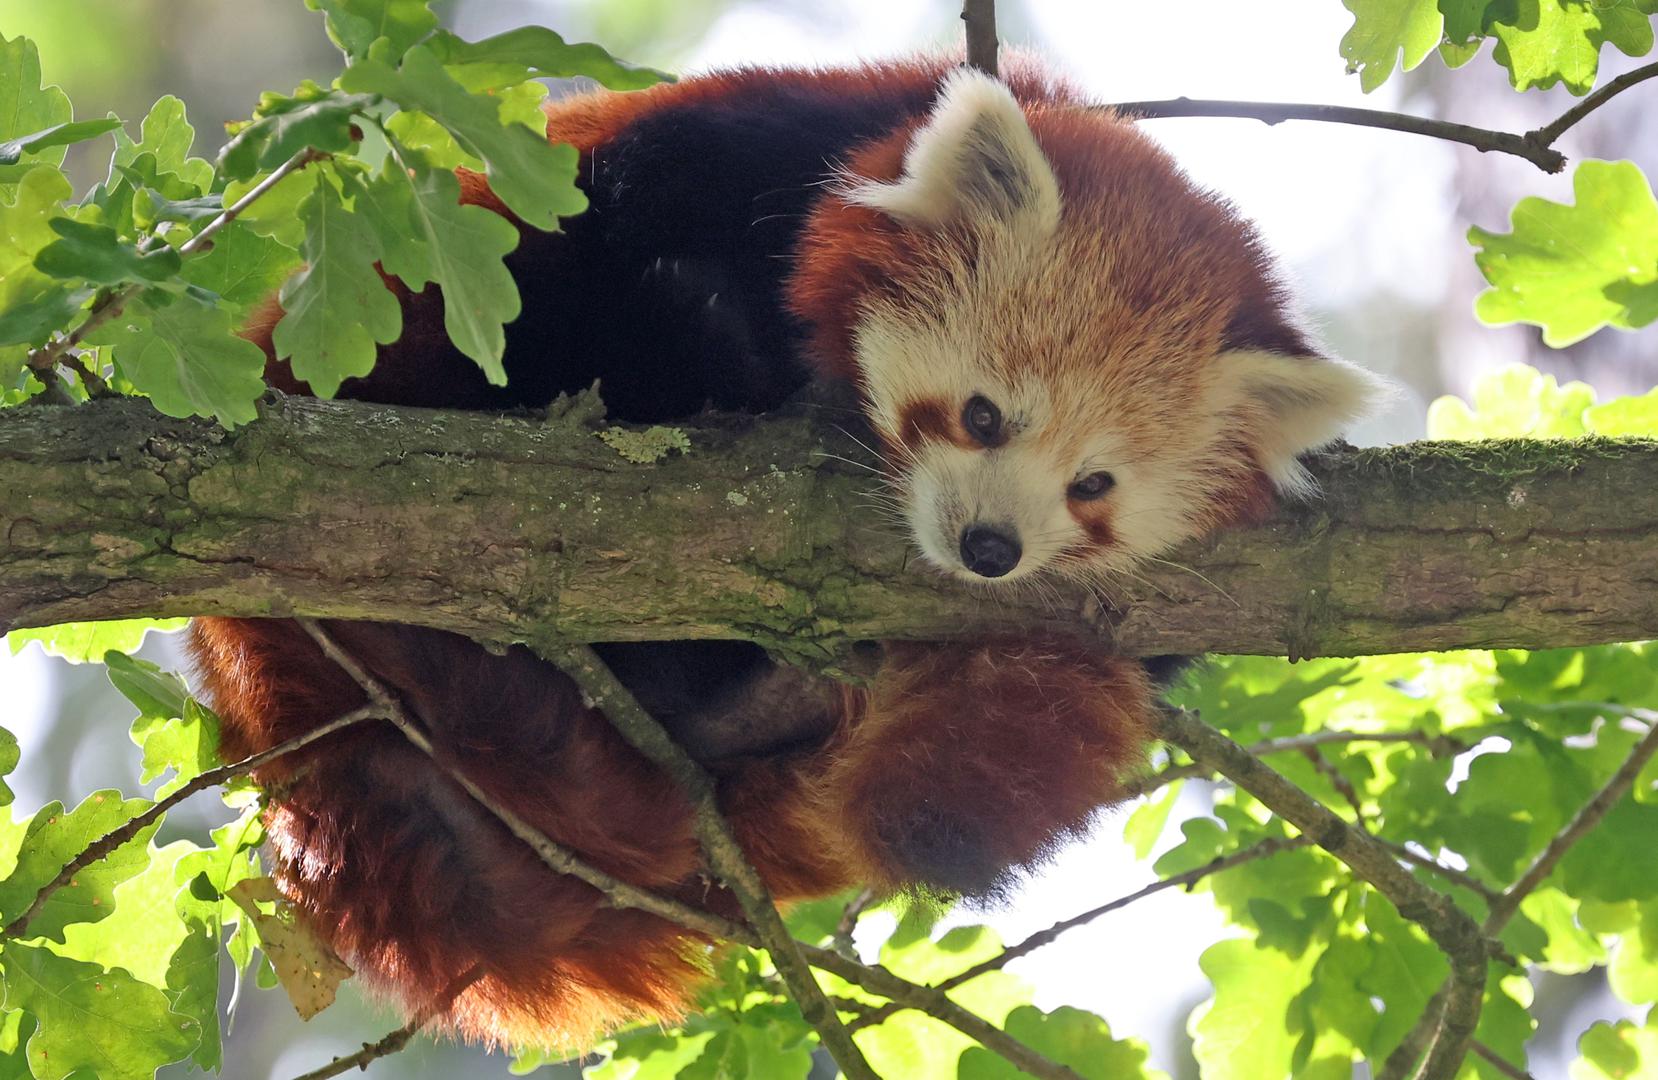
989	551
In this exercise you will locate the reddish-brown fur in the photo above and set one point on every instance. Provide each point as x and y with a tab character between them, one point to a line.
415	884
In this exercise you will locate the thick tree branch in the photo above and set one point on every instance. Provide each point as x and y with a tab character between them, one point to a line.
512	529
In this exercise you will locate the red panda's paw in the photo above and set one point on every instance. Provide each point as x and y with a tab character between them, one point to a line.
975	760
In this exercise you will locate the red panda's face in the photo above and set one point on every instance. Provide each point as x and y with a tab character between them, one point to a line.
1077	359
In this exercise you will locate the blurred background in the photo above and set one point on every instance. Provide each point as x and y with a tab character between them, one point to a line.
1371	224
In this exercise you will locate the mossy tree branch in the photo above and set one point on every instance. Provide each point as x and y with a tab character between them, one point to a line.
515	529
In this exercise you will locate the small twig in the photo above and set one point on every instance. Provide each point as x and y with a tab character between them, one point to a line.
1457	935
720	846
1276	112
1439	744
1344	787
1587	817
1460	877
106	844
1535	146
110	304
1046	937
1550	133
980	19
849	921
397	1040
1498	1062
936	1003
557	857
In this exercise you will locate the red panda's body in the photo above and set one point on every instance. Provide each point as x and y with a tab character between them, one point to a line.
1072	359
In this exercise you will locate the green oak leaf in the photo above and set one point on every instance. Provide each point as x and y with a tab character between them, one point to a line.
1465	20
337	308
1620	1051
145	929
10	755
87	642
459	247
1614	861
156	693
187	358
167	135
65	134
1625	416
51	840
313	117
1068	1036
275	214
1244	1030
1543	42
243	268
1516	401
1386	32
102	1021
25	106
192	985
33	321
354	25
28	296
1573	269
96	253
534	52
535	178
645	1053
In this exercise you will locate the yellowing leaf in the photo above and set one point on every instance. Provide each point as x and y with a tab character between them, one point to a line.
309	971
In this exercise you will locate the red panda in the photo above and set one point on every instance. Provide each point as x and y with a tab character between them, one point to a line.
1072	358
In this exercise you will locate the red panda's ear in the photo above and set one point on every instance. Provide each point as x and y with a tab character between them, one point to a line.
1290	404
974	159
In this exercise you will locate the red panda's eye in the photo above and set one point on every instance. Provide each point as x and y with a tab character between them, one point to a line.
1091	486
983	419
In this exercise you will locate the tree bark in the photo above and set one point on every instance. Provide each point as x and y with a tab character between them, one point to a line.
511	528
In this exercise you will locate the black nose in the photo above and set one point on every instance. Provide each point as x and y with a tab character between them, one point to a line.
987	551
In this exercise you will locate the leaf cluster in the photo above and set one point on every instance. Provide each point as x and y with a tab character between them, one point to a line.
329	192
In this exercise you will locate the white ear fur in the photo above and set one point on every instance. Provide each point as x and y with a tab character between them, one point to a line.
1297	403
975	158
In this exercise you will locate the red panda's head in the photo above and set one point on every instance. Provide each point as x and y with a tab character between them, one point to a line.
1075	359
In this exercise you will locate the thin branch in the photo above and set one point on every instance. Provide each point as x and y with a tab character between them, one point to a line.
875	979
557	857
1535	146
1498	1062
1457	935
1484	140
719	844
110	304
397	1040
106	844
1439	744
1449	873
1046	937
936	1003
980	19
1550	133
849	920
1587	817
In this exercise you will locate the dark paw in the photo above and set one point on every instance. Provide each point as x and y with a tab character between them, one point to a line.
943	851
